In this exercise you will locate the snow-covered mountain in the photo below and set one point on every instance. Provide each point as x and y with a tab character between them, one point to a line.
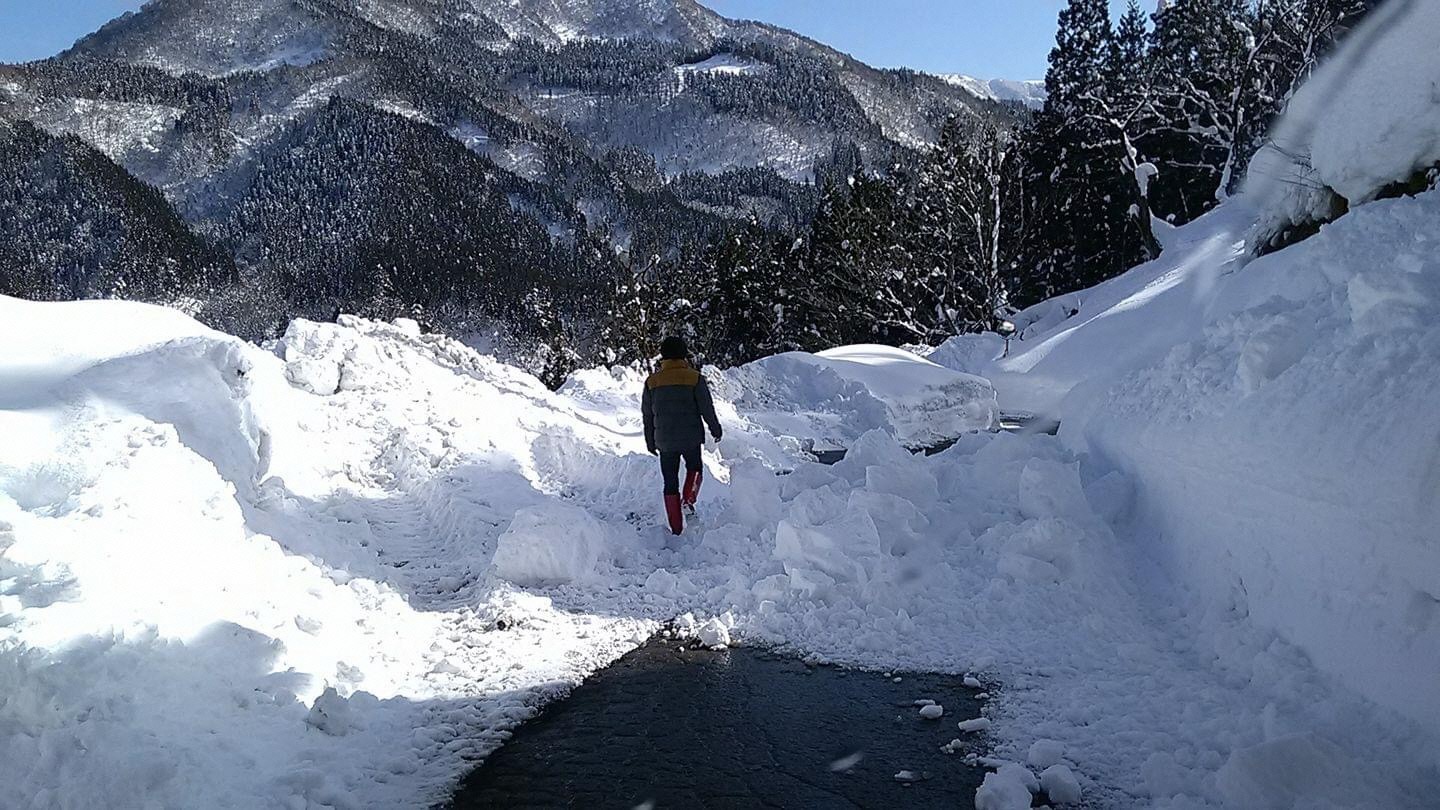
645	122
1029	93
217	37
683	21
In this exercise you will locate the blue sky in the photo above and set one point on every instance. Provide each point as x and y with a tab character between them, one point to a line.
33	29
988	38
1007	39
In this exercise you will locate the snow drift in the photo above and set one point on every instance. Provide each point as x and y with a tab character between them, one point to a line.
833	397
1365	122
187	621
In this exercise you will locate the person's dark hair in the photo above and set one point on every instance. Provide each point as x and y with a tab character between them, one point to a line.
674	348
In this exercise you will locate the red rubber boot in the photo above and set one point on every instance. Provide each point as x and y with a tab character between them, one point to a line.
692	491
672	511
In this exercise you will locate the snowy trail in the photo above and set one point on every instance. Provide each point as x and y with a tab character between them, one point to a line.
1107	669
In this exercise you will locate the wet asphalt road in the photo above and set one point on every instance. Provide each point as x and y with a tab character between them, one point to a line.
739	728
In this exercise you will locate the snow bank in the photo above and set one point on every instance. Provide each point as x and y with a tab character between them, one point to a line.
337	571
1366	120
835	396
1287	453
187	619
1273	422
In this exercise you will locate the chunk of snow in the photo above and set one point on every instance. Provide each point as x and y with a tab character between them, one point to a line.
1060	784
1039	551
1044	753
714	633
550	545
331	714
320	377
974	725
932	712
1006	789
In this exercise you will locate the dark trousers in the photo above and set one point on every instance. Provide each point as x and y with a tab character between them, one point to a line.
670	467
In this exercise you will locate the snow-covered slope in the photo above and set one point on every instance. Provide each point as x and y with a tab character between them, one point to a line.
216	37
684	21
1275	414
1275	419
220	38
1029	93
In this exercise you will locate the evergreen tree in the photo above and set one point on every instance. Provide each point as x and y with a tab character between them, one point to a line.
1208	58
967	211
1128	112
1072	159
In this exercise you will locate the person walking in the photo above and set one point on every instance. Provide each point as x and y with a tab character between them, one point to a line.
676	408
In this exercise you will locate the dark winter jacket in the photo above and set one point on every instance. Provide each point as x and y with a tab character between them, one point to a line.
676	406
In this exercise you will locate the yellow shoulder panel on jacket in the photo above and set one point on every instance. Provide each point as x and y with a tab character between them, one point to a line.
673	376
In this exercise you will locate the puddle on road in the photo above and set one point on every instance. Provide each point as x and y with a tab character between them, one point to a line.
738	728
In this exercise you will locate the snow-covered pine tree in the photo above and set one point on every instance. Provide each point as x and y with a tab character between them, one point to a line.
1208	57
964	207
1087	238
1128	104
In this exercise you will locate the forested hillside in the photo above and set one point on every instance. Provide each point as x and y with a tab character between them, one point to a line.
573	179
469	164
1149	122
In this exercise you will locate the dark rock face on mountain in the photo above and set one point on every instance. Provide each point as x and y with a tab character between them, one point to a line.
362	154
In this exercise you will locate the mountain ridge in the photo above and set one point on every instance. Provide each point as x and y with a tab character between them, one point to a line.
652	126
1029	92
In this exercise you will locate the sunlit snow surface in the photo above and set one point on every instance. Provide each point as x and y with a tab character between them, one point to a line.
201	540
1029	93
726	64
